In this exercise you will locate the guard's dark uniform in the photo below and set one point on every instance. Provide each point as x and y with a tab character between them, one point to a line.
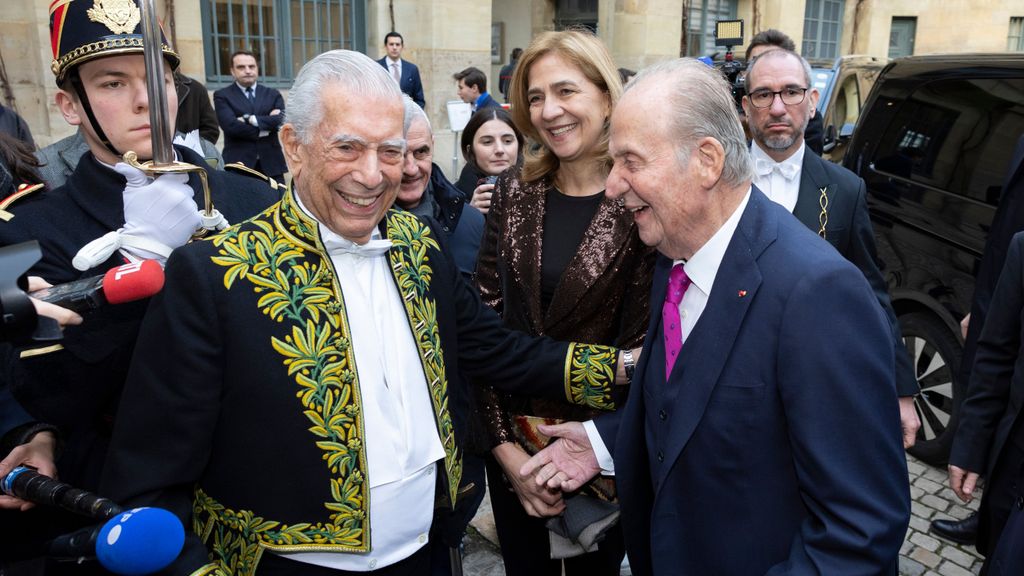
76	384
77	387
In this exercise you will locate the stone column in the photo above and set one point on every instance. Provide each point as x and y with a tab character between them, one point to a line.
25	45
640	32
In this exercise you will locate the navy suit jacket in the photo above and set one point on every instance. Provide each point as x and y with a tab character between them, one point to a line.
410	83
990	415
848	228
775	447
1007	221
242	141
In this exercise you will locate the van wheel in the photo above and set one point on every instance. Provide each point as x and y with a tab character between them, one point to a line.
935	353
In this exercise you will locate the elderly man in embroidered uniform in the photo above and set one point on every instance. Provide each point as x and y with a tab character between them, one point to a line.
116	210
302	362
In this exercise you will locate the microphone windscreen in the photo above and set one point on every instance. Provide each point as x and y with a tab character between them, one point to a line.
133	281
140	541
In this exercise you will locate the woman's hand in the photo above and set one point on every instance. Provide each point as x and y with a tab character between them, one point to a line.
538	501
482	197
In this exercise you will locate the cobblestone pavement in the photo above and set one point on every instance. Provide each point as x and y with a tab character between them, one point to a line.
926	554
922	554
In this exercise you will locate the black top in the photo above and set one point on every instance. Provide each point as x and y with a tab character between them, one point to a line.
13	124
566	218
469	179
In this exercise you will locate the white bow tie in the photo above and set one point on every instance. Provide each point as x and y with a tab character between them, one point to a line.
765	167
337	245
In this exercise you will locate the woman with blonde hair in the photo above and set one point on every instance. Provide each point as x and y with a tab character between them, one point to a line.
560	259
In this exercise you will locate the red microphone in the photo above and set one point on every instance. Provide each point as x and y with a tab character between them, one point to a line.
125	283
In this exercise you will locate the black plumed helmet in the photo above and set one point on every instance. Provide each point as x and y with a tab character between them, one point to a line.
82	30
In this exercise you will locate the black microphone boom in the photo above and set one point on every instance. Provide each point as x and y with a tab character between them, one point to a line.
27	484
76	546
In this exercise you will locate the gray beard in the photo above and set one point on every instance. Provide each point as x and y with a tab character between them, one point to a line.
777	142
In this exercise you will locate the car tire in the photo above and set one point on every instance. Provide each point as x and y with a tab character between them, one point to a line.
935	353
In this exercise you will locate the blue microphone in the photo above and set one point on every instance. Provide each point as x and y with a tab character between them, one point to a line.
140	541
132	543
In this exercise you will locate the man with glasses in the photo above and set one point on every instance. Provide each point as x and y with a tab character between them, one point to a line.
827	198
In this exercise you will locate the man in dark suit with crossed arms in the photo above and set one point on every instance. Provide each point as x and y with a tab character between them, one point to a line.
250	115
827	198
404	72
764	400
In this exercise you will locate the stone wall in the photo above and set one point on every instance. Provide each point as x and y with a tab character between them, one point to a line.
444	36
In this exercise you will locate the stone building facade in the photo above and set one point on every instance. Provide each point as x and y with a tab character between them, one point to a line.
444	36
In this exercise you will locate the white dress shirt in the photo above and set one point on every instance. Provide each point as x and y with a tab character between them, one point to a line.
402	443
701	268
782	183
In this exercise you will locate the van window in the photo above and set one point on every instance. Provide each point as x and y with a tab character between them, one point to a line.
956	135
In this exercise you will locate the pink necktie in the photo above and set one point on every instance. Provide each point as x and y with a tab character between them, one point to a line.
678	282
394	72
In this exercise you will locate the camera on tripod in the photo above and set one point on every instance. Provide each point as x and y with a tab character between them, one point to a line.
729	33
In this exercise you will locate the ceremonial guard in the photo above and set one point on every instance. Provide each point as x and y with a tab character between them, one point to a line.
108	213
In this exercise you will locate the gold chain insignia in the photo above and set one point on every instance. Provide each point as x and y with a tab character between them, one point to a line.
120	16
823	216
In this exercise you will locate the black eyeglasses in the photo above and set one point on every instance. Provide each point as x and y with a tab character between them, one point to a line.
790	96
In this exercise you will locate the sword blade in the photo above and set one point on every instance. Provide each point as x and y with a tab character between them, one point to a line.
161	130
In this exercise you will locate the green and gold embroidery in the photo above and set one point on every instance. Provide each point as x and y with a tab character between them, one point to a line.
299	291
589	374
278	254
410	240
212	569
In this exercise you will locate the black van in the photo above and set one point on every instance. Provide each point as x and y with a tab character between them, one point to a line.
933	145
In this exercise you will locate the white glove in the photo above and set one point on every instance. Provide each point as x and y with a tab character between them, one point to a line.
159	215
160	210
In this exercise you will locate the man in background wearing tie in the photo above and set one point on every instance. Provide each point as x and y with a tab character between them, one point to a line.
827	198
250	115
404	72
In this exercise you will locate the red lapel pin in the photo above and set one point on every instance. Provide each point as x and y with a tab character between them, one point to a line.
741	293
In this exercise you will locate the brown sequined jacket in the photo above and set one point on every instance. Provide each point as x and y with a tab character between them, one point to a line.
601	297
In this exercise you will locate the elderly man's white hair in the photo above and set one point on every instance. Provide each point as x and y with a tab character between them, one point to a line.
352	70
701	104
412	112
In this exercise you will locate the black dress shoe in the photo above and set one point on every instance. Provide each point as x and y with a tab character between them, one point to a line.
960	531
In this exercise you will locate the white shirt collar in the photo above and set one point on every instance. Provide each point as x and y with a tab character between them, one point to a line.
243	88
702	267
779	189
797	159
